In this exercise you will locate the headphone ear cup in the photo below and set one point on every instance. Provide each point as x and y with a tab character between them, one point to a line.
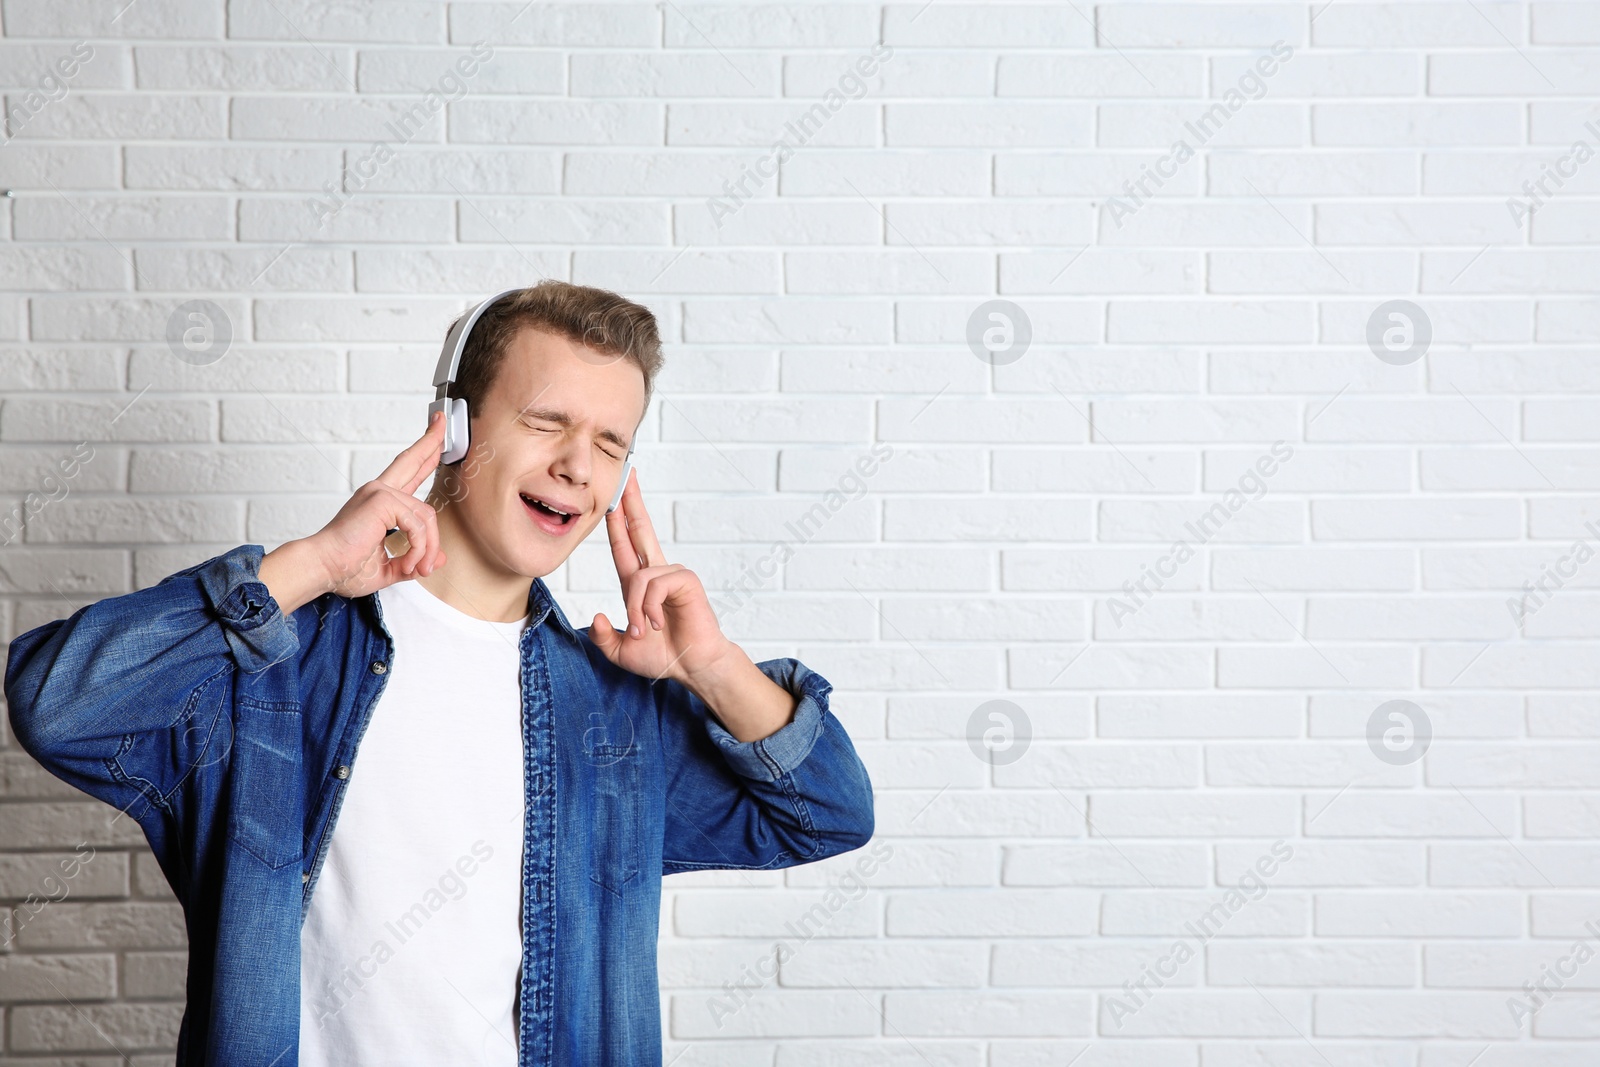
455	431
622	484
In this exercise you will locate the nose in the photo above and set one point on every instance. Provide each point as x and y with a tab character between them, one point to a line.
572	462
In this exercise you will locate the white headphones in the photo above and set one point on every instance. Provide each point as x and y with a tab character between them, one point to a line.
455	408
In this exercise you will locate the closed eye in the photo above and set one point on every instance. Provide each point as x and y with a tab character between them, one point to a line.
550	429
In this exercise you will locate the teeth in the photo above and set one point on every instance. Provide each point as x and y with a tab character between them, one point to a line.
546	507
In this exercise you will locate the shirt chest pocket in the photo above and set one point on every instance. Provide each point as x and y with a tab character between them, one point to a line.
267	790
616	829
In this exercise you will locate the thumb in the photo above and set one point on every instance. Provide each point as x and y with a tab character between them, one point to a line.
605	638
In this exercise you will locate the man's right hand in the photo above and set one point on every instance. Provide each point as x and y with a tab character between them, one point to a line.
347	556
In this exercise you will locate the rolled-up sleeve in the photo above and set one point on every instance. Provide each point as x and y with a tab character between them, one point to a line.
781	752
258	633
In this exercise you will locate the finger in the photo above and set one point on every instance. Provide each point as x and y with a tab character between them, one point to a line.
411	523
430	556
638	586
423	552
605	638
623	554
406	471
640	529
668	585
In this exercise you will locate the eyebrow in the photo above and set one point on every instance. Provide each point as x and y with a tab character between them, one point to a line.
561	418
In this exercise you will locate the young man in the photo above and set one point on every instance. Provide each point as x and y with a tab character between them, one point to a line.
412	815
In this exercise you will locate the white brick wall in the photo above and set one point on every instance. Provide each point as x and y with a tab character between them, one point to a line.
1199	723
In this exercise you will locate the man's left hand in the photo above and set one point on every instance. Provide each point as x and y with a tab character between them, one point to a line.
672	631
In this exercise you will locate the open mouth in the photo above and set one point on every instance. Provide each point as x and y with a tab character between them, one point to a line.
552	519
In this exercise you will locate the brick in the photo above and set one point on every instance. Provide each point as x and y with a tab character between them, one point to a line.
70	925
1169	814
1359	814
1414	25
1130	865
1330	863
236	67
759	125
53	1028
153	975
482	121
1419	916
1184	26
1414	1015
46	978
123	218
1378	963
1206	715
558	25
1208	1014
199	167
75	18
986	26
1001	1014
341	20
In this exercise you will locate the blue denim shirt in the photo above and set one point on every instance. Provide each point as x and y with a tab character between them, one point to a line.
230	731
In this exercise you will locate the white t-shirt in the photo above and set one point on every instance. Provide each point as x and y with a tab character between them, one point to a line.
412	948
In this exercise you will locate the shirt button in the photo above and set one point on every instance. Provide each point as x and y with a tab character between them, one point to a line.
305	876
378	666
342	771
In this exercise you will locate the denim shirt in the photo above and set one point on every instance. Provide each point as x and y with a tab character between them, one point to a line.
230	732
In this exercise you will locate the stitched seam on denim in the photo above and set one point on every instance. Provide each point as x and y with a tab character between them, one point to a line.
634	795
784	781
234	829
141	786
335	799
539	844
189	714
782	860
146	788
187	711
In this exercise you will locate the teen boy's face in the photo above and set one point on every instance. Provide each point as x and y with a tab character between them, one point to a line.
552	436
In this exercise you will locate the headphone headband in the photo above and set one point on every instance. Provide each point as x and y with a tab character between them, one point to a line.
456	342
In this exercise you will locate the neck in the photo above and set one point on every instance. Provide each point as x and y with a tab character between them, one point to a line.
469	581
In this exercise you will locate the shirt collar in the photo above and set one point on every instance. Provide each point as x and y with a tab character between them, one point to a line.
542	604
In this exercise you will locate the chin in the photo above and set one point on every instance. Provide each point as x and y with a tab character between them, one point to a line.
538	561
